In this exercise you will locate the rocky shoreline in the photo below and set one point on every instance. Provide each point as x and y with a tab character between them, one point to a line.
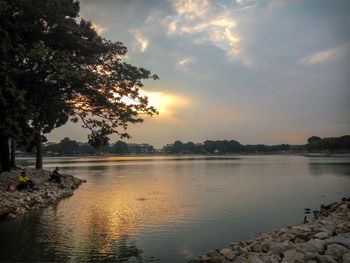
324	240
16	203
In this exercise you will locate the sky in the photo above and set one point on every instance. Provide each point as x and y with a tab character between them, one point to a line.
256	71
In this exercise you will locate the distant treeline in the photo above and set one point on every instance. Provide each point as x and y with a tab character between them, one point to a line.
68	147
225	146
314	144
331	144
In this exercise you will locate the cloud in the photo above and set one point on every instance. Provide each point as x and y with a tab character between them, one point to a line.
207	24
246	4
325	55
183	62
141	42
99	29
191	9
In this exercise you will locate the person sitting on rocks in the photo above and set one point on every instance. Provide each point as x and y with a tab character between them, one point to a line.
24	182
55	176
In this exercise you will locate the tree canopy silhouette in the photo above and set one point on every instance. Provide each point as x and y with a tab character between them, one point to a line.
57	68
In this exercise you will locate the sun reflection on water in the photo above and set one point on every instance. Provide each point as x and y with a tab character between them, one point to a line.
107	215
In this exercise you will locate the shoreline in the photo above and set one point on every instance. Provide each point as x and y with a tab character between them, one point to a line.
303	154
326	239
17	203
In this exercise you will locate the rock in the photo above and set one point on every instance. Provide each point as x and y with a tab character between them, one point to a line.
321	235
276	248
241	259
15	203
324	240
313	245
346	258
340	240
310	256
255	259
298	240
229	253
292	255
213	253
336	251
325	259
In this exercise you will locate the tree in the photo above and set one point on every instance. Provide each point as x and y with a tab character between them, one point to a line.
68	147
120	147
66	71
314	140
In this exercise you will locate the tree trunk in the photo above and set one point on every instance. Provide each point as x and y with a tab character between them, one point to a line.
13	156
39	153
5	154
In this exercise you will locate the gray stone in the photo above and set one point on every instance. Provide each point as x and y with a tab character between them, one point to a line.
310	255
313	245
213	253
346	258
277	248
229	253
336	250
298	241
325	259
292	255
255	259
340	240
321	235
241	259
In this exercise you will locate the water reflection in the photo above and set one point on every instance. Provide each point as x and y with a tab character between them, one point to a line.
140	210
324	169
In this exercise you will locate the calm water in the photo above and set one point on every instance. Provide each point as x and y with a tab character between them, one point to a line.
150	209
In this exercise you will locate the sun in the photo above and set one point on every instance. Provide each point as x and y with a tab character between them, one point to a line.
166	103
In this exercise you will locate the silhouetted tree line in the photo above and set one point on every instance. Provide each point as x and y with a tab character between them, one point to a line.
222	147
328	144
314	144
68	147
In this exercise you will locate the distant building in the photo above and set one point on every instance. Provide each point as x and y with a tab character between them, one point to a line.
140	148
167	148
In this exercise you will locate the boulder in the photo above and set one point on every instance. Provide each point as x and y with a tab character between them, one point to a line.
336	251
313	245
229	253
340	240
321	235
292	255
325	259
346	258
255	259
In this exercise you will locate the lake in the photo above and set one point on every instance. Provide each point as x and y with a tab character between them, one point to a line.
169	208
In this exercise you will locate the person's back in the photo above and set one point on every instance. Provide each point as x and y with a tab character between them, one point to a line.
56	176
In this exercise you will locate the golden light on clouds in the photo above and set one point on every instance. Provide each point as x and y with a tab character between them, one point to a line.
172	27
167	104
209	25
142	42
99	29
191	8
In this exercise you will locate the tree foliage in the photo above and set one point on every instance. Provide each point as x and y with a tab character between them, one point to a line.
59	69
